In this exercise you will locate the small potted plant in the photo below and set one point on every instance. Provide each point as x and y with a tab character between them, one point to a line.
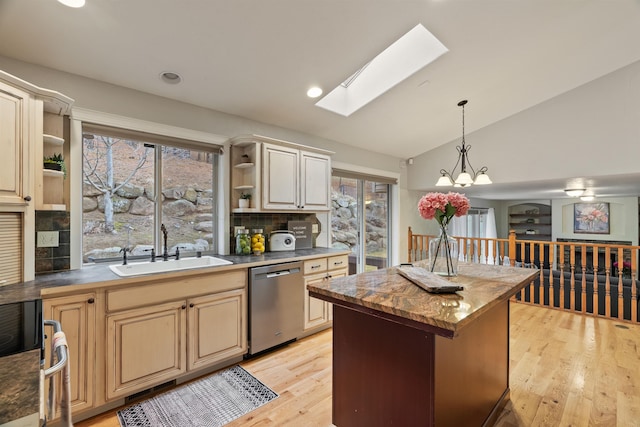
245	199
55	162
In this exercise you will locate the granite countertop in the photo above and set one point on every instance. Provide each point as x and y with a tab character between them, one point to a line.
387	294
100	274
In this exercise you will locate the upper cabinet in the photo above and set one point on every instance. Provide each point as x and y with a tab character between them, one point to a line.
279	176
31	127
15	105
23	186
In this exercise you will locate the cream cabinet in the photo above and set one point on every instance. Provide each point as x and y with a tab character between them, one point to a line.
77	316
145	347
159	331
15	107
295	179
217	327
318	313
22	181
279	175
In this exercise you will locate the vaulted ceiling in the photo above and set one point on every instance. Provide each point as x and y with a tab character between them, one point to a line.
256	59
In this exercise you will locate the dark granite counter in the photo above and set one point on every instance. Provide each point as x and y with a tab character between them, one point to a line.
101	275
387	292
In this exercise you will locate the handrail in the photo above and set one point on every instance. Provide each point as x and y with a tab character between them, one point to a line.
593	278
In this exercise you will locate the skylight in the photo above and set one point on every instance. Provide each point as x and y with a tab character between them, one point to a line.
404	57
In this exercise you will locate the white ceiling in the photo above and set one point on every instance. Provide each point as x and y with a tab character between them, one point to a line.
257	58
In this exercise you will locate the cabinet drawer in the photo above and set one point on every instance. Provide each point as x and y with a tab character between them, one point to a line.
315	266
336	262
174	289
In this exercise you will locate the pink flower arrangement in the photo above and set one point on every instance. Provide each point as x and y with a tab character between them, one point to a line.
443	207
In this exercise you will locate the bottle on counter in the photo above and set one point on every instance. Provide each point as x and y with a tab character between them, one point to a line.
257	241
243	242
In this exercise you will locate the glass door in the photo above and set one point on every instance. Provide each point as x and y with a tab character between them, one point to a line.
360	222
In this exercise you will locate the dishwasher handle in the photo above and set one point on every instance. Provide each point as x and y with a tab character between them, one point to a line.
281	273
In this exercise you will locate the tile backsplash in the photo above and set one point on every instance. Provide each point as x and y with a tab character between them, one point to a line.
269	222
58	257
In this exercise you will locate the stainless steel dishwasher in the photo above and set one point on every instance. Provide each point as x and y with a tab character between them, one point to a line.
276	305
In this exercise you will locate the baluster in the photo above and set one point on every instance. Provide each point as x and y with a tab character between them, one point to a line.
551	284
572	280
620	287
542	260
594	296
634	289
561	284
607	283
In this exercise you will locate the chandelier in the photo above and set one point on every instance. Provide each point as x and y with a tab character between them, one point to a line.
465	178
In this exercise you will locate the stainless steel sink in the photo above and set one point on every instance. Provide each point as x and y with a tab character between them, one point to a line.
147	267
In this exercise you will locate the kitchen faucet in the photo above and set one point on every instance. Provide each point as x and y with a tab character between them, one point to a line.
127	248
165	252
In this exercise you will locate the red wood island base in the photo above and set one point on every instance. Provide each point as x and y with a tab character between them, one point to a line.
404	357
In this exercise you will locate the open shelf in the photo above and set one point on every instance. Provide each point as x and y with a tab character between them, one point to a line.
52	173
244	165
53	140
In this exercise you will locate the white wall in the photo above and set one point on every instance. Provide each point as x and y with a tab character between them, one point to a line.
623	220
593	130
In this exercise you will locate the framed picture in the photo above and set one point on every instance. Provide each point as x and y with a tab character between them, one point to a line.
591	218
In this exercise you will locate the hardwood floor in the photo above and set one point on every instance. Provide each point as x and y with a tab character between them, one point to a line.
566	370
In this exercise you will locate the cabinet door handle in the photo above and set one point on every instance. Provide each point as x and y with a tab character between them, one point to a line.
184	306
192	305
91	300
337	263
27	198
313	267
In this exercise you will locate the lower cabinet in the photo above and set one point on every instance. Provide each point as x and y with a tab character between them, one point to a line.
77	316
318	313
145	347
217	327
160	331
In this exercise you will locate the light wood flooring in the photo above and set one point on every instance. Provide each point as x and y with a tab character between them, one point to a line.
566	370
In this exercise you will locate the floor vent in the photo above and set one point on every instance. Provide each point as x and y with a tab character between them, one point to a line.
149	392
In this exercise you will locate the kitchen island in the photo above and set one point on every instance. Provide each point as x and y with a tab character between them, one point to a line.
402	356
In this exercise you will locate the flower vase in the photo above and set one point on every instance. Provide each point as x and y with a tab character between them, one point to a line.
443	255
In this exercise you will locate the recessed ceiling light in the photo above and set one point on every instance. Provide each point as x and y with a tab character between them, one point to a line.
72	3
314	92
170	77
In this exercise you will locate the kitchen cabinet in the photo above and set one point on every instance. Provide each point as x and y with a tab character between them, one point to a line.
160	331
145	347
318	313
77	316
23	185
279	175
15	107
217	327
295	179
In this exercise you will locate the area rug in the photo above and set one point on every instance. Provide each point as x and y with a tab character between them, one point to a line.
212	401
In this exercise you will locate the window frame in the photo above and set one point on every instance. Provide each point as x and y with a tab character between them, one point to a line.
159	133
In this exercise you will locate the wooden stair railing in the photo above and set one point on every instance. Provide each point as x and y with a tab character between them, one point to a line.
562	284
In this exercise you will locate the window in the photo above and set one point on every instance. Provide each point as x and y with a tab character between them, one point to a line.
134	182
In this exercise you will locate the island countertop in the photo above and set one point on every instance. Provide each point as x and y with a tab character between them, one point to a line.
387	294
